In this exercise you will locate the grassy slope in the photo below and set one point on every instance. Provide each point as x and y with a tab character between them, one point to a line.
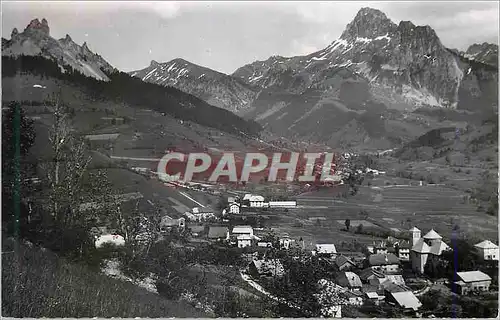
36	283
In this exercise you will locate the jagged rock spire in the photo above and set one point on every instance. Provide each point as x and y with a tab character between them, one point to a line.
36	26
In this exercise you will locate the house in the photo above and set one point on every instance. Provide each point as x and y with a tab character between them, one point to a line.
405	300
201	214
403	251
196	230
472	281
487	250
253	200
387	263
234	208
344	263
373	294
218	233
242	230
372	277
264	244
326	250
353	298
244	241
349	280
112	239
285	242
266	268
426	250
169	224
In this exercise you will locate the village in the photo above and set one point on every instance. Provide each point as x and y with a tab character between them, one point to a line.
394	273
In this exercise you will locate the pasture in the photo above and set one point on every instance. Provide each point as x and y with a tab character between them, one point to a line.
388	207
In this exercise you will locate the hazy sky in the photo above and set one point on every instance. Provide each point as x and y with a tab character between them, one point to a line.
226	35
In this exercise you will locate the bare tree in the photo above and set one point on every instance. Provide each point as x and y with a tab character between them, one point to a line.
66	169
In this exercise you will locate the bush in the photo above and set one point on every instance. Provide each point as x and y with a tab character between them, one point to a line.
37	283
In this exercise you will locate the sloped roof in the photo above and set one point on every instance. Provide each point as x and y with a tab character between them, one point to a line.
350	279
217	232
421	247
473	276
394	287
242	229
438	248
432	235
486	244
372	295
407	300
365	274
414	229
326	248
341	260
383	259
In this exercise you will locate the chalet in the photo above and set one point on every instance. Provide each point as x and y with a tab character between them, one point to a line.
487	250
349	280
405	300
326	250
472	281
242	230
253	200
403	251
387	263
354	298
266	268
264	244
234	208
426	250
285	242
218	233
168	224
372	277
344	263
244	241
201	214
373	294
196	230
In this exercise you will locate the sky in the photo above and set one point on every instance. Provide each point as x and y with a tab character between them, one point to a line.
227	35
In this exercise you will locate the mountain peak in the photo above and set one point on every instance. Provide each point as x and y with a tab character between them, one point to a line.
368	23
36	26
14	33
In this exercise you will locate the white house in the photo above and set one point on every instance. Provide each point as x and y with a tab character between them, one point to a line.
285	242
425	250
234	208
244	241
471	281
242	230
327	249
255	201
487	250
113	239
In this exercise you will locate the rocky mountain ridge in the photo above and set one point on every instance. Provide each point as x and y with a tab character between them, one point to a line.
216	88
36	40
